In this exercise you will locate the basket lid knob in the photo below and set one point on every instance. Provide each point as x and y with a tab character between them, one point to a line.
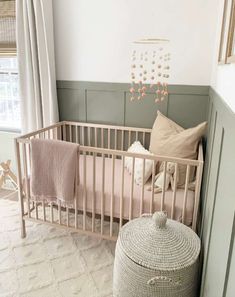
160	219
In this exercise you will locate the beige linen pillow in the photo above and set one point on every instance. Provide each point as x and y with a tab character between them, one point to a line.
170	139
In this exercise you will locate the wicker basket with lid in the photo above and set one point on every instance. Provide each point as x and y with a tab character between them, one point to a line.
156	257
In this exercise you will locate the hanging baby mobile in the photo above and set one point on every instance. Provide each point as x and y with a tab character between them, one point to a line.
150	67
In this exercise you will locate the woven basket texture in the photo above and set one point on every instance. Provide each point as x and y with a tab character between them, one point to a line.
155	257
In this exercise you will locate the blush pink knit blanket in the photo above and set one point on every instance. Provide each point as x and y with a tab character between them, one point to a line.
54	166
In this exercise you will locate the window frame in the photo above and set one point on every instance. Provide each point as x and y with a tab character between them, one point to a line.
15	71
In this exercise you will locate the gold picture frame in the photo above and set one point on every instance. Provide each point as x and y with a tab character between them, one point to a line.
225	31
231	38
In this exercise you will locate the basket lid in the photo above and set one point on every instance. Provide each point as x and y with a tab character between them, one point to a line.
159	243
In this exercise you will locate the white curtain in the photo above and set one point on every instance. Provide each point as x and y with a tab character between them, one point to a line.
35	51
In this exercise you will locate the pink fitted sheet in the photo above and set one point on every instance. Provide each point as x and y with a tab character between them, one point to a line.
88	193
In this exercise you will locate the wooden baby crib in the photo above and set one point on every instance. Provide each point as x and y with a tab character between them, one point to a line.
102	208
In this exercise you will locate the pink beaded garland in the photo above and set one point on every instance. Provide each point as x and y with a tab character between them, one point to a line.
152	67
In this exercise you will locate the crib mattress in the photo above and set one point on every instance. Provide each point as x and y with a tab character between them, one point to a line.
137	190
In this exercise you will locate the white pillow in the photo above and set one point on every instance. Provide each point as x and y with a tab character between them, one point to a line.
137	147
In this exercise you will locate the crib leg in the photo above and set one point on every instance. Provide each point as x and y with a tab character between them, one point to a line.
20	192
22	221
23	228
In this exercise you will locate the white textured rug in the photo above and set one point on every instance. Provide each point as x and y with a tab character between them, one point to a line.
51	262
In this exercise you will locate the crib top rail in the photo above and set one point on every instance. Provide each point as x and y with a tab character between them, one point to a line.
82	124
26	139
112	127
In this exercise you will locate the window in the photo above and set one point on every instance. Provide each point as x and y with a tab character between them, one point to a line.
9	95
7	27
227	38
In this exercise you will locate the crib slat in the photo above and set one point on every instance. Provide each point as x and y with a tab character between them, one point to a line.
20	185
83	136
109	139
142	189
122	141
70	134
112	196
67	216
122	192
56	133
164	185
152	185
79	135
76	199
29	167
84	191
51	209
76	134
59	212
129	138
174	191
53	134
64	133
96	144
76	193
43	211
132	188
136	135
102	194
94	193
115	139
58	136
197	193
36	210
109	142
102	137
185	193
89	136
25	166
144	139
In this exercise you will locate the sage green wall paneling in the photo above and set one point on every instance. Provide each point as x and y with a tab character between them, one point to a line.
207	197
72	104
221	225
143	111
110	103
106	107
210	170
206	204
207	285
229	289
182	108
218	213
212	116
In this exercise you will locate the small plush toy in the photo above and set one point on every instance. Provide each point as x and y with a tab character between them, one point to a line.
159	178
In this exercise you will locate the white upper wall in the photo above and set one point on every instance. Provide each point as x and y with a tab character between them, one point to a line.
93	38
223	76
